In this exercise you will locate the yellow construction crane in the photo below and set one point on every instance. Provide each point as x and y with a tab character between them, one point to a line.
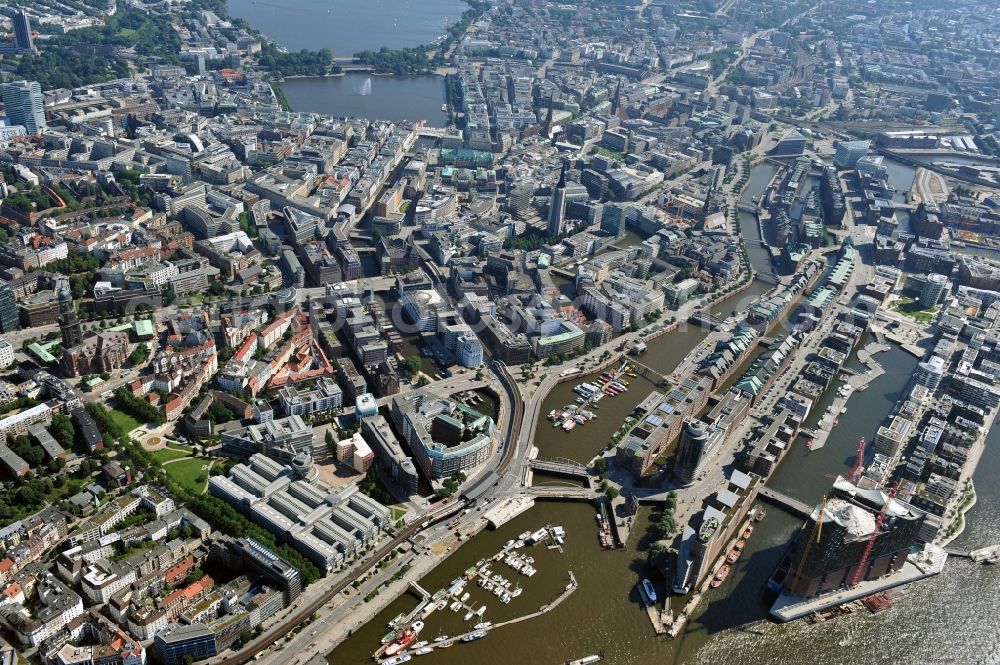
817	532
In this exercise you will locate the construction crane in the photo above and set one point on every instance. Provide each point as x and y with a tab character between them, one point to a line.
858	461
814	536
879	522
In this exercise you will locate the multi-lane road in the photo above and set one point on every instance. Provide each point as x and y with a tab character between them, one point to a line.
508	469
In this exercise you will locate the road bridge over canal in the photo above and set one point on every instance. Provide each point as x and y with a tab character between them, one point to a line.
560	466
562	493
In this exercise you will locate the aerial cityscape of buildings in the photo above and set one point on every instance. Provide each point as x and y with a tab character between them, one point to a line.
262	370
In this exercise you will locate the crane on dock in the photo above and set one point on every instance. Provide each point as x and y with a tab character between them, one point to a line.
879	522
814	536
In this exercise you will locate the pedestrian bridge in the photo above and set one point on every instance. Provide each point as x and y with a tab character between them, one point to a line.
706	320
560	466
419	590
648	372
767	277
793	506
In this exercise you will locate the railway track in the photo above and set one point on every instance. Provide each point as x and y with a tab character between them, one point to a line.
278	631
273	634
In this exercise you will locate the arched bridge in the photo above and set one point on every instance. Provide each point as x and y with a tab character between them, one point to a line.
560	466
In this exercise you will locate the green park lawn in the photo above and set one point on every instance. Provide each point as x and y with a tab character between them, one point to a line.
167	454
187	473
914	310
125	421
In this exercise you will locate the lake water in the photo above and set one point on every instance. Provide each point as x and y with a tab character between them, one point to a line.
349	26
392	98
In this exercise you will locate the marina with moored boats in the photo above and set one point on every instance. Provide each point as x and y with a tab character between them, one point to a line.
609	384
401	642
797	475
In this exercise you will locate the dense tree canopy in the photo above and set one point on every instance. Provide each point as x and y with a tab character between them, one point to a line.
138	407
65	67
396	61
104	421
301	63
410	365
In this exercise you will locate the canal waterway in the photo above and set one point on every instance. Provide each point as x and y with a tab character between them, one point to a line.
803	473
760	177
347	27
899	175
950	618
663	355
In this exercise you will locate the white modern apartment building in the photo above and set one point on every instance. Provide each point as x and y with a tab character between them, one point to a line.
324	396
6	354
470	351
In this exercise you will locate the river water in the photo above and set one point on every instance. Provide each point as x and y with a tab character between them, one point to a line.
347	27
